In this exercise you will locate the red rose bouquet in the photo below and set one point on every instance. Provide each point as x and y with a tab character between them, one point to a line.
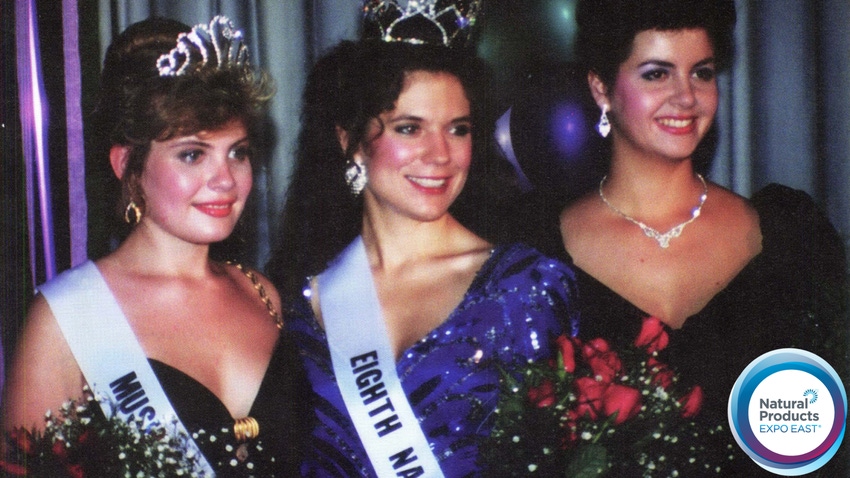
79	441
594	411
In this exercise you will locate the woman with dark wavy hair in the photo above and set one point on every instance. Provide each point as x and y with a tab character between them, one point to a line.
404	315
730	278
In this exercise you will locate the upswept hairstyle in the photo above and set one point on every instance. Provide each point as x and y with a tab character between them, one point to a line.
347	88
135	105
607	28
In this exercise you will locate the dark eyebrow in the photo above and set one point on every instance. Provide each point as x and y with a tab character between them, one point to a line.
667	64
399	119
240	141
182	143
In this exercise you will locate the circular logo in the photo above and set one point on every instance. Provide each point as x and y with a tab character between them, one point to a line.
788	411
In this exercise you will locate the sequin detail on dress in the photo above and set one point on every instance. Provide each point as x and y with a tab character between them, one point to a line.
518	301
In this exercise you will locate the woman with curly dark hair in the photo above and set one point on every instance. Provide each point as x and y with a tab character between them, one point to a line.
404	314
730	278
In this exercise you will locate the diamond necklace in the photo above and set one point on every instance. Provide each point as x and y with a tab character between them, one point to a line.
663	239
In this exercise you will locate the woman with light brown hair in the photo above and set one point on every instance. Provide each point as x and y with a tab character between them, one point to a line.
158	328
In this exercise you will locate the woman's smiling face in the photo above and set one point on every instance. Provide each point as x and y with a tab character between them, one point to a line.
665	96
195	186
419	160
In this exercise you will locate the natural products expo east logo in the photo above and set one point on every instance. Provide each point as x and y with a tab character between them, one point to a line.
788	411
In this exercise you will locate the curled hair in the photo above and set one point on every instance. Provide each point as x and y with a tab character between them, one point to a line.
136	105
607	28
347	88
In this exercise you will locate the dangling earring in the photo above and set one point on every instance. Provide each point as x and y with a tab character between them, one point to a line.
137	213
603	127
355	177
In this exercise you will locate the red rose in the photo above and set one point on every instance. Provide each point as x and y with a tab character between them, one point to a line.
12	469
568	353
22	439
594	346
542	396
75	471
625	401
590	392
602	361
662	374
60	450
691	402
652	335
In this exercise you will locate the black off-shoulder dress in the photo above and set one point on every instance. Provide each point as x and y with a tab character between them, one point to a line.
792	294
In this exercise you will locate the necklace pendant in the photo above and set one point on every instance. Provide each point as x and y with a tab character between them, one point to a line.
663	239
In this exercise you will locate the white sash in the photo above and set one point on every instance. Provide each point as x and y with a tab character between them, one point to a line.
364	365
108	353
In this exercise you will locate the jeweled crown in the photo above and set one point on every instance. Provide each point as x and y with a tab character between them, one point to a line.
446	22
217	45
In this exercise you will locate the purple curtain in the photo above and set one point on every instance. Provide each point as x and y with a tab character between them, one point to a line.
35	118
74	126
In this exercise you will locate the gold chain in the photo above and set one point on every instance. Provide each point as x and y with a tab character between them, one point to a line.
278	320
245	429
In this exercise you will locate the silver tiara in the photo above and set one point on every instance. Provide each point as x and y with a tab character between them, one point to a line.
218	45
446	22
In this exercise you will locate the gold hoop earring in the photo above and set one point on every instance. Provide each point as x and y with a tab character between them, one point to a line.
137	213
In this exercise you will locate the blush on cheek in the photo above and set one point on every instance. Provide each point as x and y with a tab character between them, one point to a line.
246	184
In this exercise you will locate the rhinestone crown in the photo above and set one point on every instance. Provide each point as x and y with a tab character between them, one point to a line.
445	22
218	45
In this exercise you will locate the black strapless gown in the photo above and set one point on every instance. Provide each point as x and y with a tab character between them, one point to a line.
280	408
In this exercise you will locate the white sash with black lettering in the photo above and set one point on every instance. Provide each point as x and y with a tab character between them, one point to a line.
358	340
108	353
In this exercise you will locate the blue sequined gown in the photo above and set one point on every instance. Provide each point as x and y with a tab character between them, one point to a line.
517	303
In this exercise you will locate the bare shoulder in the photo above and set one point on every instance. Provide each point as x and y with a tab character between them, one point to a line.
44	373
732	202
581	222
730	212
460	249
